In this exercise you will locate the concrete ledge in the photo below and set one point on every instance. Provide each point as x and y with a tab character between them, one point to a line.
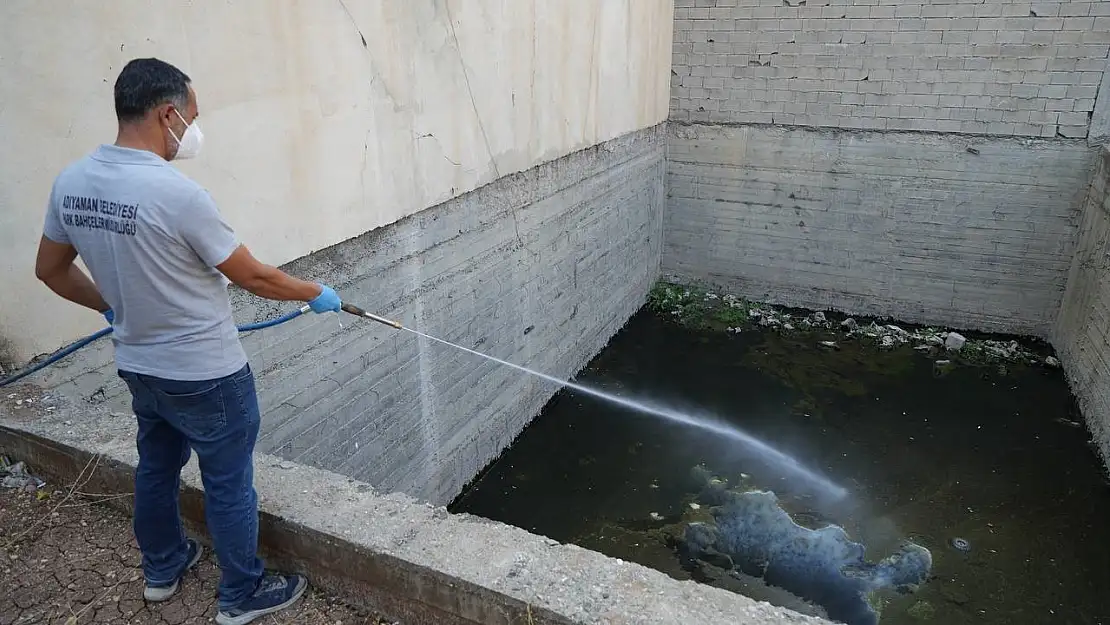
411	561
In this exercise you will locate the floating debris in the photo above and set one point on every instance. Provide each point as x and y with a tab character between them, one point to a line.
954	341
961	544
749	532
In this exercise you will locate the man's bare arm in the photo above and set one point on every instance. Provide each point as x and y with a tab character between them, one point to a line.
55	268
245	270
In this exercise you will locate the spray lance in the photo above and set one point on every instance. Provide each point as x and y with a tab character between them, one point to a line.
358	312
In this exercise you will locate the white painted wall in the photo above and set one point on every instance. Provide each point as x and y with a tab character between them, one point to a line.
312	135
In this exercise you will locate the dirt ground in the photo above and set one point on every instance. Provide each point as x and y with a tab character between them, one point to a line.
74	562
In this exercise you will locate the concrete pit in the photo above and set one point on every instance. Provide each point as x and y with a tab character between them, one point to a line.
395	414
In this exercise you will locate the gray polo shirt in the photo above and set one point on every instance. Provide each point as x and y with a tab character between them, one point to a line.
151	239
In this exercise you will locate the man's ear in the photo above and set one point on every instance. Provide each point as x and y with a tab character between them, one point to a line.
165	114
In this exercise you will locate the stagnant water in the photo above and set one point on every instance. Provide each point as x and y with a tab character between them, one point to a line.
994	457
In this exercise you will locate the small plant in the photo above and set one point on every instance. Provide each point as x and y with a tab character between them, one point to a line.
732	315
686	305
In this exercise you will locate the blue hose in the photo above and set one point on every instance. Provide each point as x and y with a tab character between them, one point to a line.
69	349
261	325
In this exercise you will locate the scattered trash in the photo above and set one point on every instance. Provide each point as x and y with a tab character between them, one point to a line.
954	341
688	305
655	516
961	544
16	476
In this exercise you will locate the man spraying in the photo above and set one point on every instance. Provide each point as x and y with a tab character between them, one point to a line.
160	258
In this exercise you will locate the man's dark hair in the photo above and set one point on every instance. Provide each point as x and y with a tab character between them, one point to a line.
146	83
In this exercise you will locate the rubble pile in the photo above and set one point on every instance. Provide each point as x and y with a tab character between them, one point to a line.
706	309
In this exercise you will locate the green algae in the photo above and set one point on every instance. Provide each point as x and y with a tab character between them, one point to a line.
922	611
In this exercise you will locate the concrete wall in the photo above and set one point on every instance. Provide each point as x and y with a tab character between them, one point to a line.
1083	330
972	232
925	160
998	67
323	120
539	268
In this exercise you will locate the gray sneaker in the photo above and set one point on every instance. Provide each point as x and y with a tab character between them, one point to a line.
274	593
165	591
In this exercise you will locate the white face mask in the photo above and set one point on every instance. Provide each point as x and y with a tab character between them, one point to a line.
190	143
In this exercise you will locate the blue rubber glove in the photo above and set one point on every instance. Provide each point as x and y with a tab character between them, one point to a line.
326	301
110	316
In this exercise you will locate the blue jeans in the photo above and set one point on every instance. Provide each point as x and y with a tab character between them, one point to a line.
219	420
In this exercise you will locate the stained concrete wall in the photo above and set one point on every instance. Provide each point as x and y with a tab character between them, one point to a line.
965	231
539	268
924	160
1083	330
323	120
997	67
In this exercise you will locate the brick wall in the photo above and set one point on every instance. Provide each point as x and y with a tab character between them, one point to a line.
998	67
539	268
1083	330
956	230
